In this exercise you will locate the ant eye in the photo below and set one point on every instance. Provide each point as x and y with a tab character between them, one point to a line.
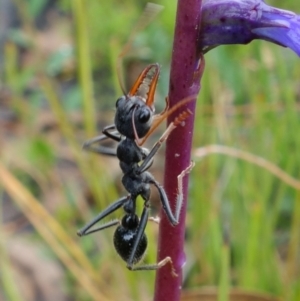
144	116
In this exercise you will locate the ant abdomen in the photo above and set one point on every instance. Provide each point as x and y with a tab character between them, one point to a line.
125	236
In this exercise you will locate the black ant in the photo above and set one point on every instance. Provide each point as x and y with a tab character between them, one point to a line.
134	122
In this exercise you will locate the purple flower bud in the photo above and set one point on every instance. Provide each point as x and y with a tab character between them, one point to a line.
241	21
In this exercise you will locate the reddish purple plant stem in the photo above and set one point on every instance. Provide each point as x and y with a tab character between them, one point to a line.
184	82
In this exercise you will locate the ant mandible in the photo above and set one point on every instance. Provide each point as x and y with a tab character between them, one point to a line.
134	122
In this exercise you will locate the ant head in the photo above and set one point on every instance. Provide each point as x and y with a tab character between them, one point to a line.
133	116
134	113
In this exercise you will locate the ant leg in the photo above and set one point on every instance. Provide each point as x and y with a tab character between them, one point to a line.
149	162
111	208
156	266
145	165
165	203
102	227
112	135
173	218
140	232
179	198
90	145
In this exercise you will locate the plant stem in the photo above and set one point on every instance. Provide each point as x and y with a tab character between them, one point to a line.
184	81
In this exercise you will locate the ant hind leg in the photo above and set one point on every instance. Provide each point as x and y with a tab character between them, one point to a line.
132	262
156	266
110	209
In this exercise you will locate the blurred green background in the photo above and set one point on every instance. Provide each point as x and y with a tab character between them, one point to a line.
58	87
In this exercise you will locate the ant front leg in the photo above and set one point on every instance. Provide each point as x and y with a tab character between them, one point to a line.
145	165
173	218
92	145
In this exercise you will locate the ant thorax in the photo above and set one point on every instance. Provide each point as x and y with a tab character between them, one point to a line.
128	152
133	117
